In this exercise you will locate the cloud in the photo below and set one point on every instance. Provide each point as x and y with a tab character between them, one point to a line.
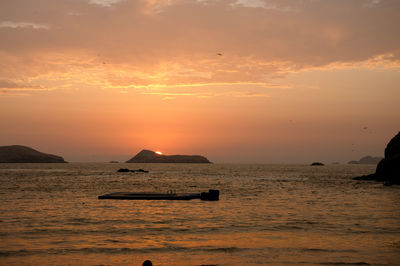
157	6
7	84
139	44
105	3
70	13
12	85
26	25
251	3
18	88
268	5
242	90
372	3
321	32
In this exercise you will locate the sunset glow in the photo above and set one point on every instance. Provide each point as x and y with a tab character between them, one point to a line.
199	132
239	81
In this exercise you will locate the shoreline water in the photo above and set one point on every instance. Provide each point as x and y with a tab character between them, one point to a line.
267	214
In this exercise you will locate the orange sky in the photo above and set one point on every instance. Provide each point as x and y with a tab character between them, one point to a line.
258	81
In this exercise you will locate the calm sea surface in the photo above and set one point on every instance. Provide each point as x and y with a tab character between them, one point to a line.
267	214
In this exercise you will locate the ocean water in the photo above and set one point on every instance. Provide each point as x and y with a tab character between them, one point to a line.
267	215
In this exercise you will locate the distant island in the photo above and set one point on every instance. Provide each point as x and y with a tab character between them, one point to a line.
317	164
367	160
147	156
23	154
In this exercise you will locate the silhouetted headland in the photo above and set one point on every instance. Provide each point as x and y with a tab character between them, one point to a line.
367	160
147	156
388	169
23	154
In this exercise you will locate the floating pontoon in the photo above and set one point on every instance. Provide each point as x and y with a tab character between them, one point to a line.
211	195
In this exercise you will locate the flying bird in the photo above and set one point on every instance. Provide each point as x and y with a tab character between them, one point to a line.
219	54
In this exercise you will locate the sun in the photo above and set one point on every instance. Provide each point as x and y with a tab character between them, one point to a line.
159	153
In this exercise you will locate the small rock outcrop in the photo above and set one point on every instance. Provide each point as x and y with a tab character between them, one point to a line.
388	169
317	164
126	170
146	156
367	160
23	154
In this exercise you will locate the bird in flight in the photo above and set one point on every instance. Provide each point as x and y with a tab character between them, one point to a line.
219	54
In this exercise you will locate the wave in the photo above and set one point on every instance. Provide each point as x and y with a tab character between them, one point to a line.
326	250
168	249
111	250
344	263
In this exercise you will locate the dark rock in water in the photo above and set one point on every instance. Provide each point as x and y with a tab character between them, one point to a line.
123	170
146	156
147	263
126	170
365	177
367	160
388	169
141	171
23	154
317	164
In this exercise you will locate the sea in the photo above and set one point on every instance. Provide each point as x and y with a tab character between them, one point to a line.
50	214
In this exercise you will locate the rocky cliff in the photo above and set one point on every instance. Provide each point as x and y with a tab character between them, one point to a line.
23	154
388	169
146	156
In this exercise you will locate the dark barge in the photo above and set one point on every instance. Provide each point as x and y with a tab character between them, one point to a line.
211	195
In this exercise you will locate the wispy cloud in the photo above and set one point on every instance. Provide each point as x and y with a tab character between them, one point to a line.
251	3
9	87
203	85
12	85
249	78
267	5
12	93
71	13
372	3
232	91
26	25
105	3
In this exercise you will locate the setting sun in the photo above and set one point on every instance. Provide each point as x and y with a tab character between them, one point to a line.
159	153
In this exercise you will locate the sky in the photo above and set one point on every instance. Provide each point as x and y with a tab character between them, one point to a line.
238	81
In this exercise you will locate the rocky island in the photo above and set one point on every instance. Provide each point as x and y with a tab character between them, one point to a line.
147	156
23	154
317	164
388	169
367	160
